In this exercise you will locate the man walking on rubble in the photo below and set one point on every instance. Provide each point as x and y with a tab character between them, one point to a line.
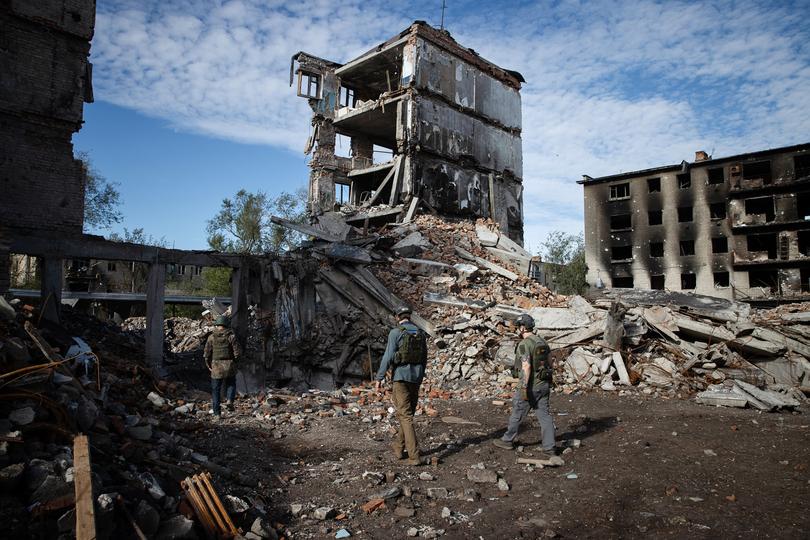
406	355
535	372
222	353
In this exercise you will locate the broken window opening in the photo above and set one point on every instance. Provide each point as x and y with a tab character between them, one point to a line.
684	181
721	279
621	253
623	282
654	185
720	244
768	279
784	247
347	97
801	166
688	281
309	84
803	205
657	282
760	206
804	274
758	170
656	249
619	191
110	266
716	176
687	247
655	217
620	222
342	193
717	210
684	214
762	243
804	243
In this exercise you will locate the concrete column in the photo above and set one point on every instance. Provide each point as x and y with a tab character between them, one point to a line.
155	290
5	269
52	278
239	307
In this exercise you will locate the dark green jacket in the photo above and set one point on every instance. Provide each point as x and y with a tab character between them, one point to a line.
222	352
537	371
412	373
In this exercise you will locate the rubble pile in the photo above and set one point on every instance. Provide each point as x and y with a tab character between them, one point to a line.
183	335
144	434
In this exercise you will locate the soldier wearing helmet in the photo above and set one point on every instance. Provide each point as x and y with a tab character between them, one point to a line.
534	370
406	356
222	352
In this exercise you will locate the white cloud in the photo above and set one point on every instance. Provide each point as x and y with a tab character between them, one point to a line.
612	86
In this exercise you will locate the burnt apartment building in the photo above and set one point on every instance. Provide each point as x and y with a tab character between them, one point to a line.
449	120
735	227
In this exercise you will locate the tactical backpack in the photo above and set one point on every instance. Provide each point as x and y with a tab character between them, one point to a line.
412	347
540	360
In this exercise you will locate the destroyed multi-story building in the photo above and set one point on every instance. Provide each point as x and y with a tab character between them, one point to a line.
450	118
734	227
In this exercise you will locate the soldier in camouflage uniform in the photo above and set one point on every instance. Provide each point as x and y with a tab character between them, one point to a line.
406	355
222	353
535	373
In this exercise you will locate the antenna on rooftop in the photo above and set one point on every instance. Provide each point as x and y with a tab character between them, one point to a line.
444	6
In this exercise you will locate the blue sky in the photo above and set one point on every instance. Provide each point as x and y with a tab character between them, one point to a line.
193	102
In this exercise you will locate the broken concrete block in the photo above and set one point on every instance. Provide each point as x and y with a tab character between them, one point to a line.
412	245
141	433
424	267
455	301
466	271
482	476
324	512
486	236
437	493
22	416
155	399
624	377
550	318
177	528
722	397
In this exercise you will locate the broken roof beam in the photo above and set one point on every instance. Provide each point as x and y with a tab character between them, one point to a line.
492	267
383	184
454	301
304	229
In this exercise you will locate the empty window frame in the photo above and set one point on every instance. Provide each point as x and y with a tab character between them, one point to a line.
687	247
309	84
804	242
756	170
762	243
684	214
656	249
111	267
716	176
760	206
623	282
803	205
784	247
655	217
657	282
684	181
654	185
621	253
620	222
801	166
805	277
342	192
720	244
768	279
347	97
688	281
717	210
721	279
619	191
196	270
181	269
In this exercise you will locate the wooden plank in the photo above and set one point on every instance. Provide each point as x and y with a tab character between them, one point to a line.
381	187
492	267
411	210
155	289
85	512
392	200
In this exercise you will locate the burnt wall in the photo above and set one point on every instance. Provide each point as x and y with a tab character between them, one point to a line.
44	48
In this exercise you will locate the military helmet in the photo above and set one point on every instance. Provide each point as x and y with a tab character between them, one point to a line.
222	320
526	321
402	311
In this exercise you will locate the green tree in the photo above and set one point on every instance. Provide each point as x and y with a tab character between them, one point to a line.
243	224
101	198
217	281
566	254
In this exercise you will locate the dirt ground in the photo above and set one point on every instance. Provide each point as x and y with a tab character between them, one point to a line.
645	467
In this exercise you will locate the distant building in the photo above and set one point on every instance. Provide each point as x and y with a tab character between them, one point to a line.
734	227
450	120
